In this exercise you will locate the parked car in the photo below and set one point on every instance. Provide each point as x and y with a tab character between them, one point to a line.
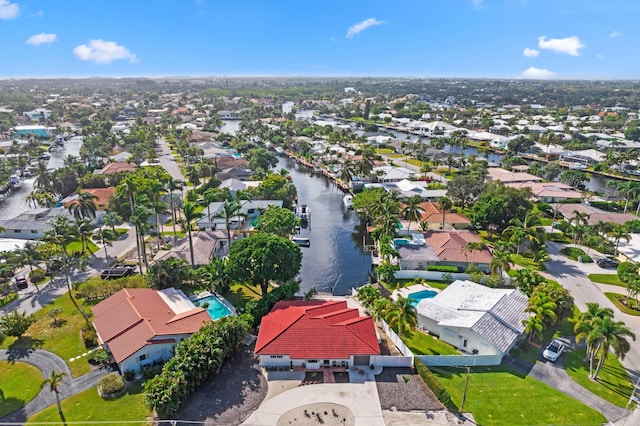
21	282
113	273
553	350
607	263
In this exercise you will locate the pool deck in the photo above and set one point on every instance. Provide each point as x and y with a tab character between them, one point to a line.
406	291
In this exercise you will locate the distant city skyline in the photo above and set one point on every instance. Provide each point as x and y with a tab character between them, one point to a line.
537	39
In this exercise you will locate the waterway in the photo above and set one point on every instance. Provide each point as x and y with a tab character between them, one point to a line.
335	262
16	203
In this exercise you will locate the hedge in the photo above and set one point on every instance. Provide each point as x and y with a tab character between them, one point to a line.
433	383
574	253
442	268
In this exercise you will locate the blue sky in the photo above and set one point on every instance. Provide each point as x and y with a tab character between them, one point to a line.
414	38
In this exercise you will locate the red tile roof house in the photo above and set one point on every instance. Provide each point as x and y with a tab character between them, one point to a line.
315	333
140	326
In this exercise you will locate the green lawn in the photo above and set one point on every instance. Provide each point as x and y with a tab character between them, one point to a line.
239	294
424	344
76	247
395	155
611	279
623	308
415	162
500	396
613	383
19	384
88	406
8	298
520	260
384	151
64	340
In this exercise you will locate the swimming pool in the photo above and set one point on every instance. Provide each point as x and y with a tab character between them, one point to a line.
419	295
216	309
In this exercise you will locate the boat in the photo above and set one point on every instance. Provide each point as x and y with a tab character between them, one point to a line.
301	241
348	201
304	213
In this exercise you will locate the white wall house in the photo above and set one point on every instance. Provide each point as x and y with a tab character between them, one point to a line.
474	318
140	326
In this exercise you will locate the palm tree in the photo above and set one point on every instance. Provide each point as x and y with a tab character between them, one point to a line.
111	219
610	334
579	221
533	326
29	254
520	231
54	381
346	172
445	204
543	306
189	216
619	232
172	186
84	207
403	315
412	210
140	221
230	209
127	188
500	262
44	177
584	324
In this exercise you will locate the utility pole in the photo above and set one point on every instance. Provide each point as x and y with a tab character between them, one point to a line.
464	392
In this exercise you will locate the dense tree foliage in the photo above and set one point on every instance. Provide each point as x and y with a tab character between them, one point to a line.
498	205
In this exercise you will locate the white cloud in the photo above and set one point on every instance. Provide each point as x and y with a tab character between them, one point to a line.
536	73
477	3
9	10
615	34
530	53
361	26
42	38
103	52
569	45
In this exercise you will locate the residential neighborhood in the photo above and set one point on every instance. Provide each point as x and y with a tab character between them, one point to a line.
381	255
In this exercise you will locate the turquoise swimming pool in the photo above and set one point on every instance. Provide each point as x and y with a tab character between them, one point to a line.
419	295
215	308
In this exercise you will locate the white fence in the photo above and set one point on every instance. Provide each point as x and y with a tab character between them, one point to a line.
391	361
459	360
410	274
404	350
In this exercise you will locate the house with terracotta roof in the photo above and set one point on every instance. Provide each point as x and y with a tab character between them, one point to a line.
140	326
433	216
499	174
115	167
102	200
474	318
549	192
315	333
439	248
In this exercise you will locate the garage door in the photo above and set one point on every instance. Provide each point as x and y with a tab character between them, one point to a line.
361	360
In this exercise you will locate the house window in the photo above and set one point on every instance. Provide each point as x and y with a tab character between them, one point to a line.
142	357
17	231
311	361
33	231
275	356
464	343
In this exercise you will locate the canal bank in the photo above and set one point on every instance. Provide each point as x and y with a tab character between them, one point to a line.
335	261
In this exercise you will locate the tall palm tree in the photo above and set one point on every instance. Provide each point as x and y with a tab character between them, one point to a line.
584	324
140	220
619	232
346	172
403	315
230	209
500	262
610	334
28	255
84	207
189	216
172	186
54	381
111	219
411	209
445	204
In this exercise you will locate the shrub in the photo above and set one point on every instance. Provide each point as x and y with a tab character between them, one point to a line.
576	253
110	385
89	337
259	308
442	268
495	280
37	275
129	375
626	271
99	357
433	383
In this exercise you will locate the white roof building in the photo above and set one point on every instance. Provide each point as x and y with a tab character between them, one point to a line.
475	318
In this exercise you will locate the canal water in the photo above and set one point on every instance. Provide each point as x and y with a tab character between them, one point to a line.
335	262
16	203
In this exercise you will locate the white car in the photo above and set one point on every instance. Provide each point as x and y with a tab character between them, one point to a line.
553	350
